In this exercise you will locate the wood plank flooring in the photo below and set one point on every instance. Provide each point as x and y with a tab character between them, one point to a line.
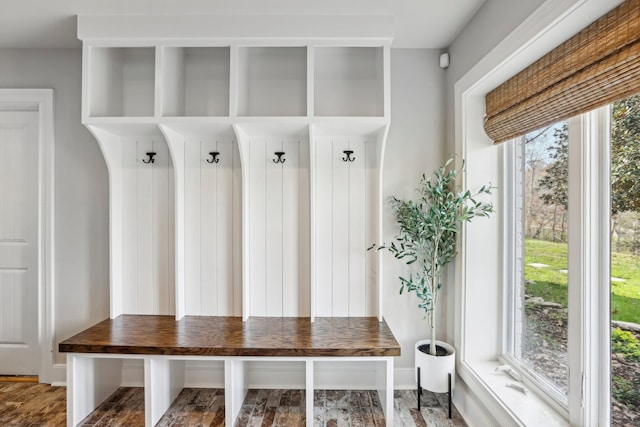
31	405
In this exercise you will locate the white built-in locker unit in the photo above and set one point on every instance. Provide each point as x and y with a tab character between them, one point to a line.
244	174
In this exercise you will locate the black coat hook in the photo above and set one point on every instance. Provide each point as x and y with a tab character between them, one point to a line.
214	157
348	157
150	159
279	159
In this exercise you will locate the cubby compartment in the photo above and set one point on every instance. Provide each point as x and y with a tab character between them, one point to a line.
348	81
346	221
195	81
213	226
272	81
278	238
122	81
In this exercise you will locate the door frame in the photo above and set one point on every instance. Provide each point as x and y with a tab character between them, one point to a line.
41	100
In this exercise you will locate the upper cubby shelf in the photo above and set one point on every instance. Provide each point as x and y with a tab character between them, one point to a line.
122	81
195	81
349	81
135	70
235	83
268	74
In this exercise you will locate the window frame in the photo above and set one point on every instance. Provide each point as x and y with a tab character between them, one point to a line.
590	221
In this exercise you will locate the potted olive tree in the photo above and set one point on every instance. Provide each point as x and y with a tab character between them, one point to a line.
429	226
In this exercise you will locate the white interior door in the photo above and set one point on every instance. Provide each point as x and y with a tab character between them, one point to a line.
19	161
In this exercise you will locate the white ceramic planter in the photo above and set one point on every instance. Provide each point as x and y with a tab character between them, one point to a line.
434	369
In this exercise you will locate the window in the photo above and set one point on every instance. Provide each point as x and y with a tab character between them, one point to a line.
625	261
557	243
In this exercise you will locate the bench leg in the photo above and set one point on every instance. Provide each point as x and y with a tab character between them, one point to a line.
385	389
90	381
163	381
235	388
309	393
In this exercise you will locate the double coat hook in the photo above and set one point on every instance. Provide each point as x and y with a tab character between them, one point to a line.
150	157
348	157
214	157
280	159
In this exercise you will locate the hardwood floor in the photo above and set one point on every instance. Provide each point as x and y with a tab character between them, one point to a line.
31	405
125	407
26	405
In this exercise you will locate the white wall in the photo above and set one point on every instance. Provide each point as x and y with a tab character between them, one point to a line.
489	26
415	146
81	296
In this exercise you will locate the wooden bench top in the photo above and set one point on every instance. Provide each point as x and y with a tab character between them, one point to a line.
230	336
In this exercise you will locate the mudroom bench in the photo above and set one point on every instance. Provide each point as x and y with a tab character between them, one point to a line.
95	356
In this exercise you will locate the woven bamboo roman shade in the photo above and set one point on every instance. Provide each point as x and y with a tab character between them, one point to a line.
595	67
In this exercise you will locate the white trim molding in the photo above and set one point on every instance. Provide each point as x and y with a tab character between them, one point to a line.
42	101
589	245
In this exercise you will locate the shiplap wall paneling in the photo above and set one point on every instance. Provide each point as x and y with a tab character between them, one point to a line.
237	249
122	81
345	203
162	232
148	228
257	225
195	81
374	147
276	214
322	199
296	233
304	228
278	228
213	278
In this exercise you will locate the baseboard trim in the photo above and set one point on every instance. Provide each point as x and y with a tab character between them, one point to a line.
469	406
19	378
59	375
404	378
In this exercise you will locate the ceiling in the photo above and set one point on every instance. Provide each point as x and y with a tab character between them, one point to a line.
52	23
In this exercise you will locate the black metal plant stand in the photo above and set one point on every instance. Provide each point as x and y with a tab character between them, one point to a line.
419	393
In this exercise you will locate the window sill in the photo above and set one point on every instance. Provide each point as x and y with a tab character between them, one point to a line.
507	405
